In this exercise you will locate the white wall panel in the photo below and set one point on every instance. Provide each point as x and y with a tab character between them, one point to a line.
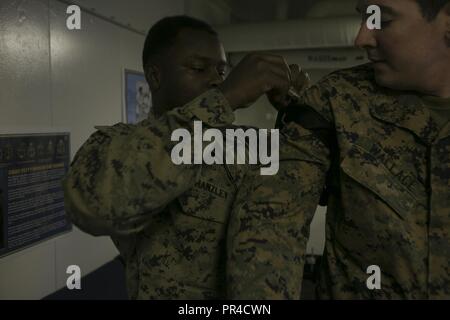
53	77
86	74
28	274
24	63
24	102
87	67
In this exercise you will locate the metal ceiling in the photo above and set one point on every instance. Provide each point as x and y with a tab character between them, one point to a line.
139	15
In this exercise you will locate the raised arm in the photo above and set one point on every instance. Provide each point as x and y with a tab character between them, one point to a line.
123	175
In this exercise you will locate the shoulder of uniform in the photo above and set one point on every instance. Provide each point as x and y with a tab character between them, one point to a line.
117	126
360	77
114	130
352	90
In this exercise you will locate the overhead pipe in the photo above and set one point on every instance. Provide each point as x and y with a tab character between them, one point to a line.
291	34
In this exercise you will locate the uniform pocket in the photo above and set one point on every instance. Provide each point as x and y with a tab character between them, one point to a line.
208	201
365	168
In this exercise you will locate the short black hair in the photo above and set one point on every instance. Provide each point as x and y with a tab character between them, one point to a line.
163	33
431	8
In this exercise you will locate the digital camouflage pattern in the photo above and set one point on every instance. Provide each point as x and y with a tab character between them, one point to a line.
224	231
269	225
388	187
170	222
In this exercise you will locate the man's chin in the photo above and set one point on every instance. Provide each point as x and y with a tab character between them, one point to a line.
383	75
384	79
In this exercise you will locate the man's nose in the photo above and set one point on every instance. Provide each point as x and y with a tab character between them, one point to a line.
366	37
216	79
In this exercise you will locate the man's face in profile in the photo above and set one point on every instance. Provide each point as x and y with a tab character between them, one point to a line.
195	63
409	52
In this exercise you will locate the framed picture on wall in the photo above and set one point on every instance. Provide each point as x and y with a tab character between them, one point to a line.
138	99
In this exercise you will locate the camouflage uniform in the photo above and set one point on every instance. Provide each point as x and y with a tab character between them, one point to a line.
168	221
386	163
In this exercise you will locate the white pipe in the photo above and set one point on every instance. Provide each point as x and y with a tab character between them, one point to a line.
290	35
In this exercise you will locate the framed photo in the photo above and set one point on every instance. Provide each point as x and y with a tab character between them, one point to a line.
138	99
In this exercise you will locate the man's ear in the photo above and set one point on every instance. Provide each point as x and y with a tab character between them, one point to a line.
153	76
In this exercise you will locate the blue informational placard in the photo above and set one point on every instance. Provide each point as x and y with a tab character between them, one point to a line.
31	195
138	98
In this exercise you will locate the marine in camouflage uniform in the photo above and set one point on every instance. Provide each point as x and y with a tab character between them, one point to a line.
385	157
168	221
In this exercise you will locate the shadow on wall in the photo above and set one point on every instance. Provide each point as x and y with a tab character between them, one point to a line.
105	283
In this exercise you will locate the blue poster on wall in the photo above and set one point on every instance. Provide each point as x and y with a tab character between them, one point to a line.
137	97
2	207
31	196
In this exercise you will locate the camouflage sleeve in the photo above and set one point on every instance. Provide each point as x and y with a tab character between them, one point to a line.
124	174
269	227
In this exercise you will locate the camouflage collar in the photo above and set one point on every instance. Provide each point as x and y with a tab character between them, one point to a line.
408	112
445	132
